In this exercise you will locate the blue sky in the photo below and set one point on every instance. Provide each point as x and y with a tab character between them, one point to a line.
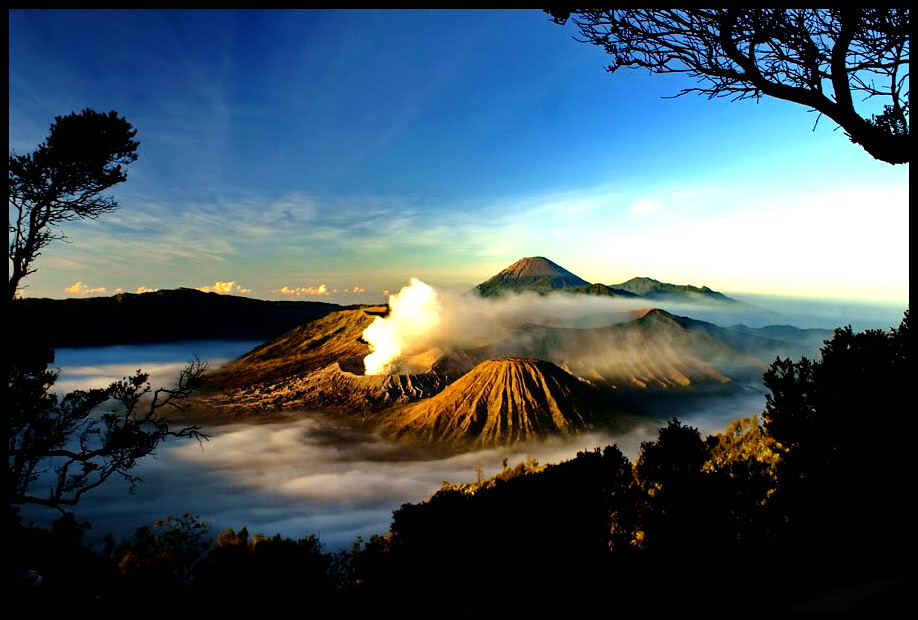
335	154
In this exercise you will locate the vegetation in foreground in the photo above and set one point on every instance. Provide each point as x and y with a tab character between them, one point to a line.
805	510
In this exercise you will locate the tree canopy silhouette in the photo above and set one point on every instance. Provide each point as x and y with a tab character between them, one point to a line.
63	180
851	65
59	448
844	458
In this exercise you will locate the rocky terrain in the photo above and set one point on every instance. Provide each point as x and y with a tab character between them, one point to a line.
502	401
535	380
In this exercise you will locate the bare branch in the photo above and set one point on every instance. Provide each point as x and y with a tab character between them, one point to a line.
793	54
69	447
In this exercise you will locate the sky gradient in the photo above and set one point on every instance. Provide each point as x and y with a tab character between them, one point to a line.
332	155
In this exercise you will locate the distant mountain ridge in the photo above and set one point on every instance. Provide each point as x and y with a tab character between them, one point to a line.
654	289
655	350
541	275
162	316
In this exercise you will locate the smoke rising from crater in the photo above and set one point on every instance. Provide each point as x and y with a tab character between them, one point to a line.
422	318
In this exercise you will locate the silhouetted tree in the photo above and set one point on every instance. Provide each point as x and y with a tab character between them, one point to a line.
677	515
59	448
284	570
845	457
833	61
62	180
744	461
160	558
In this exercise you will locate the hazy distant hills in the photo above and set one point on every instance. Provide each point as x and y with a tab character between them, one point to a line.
810	339
656	350
649	288
161	316
540	275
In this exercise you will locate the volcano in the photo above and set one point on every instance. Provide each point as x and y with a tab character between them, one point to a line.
502	401
540	275
535	273
317	344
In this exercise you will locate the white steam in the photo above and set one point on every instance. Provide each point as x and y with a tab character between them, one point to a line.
422	319
414	315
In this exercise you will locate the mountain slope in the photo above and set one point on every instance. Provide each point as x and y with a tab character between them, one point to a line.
601	290
501	401
320	366
335	337
534	273
656	350
541	275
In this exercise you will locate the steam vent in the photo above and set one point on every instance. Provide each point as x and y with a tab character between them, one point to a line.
500	401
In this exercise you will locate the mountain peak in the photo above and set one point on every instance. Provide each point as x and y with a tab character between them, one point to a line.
537	266
533	273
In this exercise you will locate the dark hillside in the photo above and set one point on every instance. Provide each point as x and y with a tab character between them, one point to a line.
161	316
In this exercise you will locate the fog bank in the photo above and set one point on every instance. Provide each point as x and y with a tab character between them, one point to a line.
308	473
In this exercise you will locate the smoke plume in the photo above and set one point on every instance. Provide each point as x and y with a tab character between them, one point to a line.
422	318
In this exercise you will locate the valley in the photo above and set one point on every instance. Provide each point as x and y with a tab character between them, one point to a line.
480	375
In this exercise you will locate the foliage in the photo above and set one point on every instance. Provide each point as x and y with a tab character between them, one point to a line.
828	60
59	448
743	443
290	569
530	465
838	419
164	555
47	566
801	505
62	180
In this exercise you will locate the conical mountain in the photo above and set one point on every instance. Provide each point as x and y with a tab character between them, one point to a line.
501	401
534	273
